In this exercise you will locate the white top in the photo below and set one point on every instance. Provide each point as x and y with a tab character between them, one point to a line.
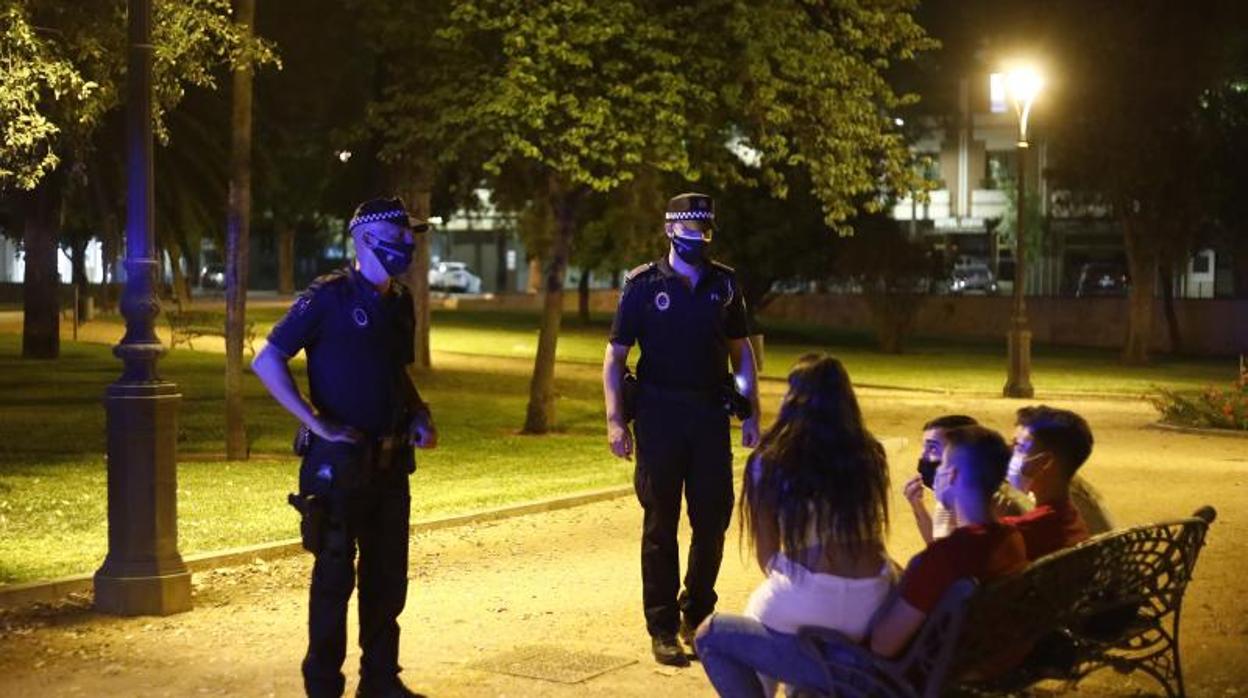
793	596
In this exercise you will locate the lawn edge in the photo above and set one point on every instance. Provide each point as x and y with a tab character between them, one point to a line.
1200	431
15	596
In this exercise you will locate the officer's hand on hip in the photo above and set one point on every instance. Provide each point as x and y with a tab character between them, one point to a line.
423	434
333	431
750	432
620	438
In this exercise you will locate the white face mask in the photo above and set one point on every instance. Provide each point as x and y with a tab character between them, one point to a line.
1015	475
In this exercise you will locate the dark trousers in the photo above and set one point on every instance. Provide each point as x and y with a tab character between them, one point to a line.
369	513
681	445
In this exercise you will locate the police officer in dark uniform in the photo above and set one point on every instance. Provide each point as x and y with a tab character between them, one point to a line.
363	418
688	314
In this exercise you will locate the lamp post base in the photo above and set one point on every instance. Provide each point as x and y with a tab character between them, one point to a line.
143	573
159	595
1018	382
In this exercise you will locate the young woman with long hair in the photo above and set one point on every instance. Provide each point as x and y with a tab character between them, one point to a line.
814	507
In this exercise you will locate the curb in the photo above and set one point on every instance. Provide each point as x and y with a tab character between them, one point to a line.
27	593
1199	431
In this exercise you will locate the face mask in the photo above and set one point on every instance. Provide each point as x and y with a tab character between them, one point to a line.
690	251
927	471
942	491
1015	475
395	257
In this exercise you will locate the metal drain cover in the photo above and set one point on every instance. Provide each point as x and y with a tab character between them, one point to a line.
550	663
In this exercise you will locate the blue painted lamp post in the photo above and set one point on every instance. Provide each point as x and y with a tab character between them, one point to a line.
143	573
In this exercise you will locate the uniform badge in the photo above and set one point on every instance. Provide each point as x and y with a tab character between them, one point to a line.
360	317
662	301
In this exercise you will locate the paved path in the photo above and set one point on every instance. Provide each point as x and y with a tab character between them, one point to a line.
569	579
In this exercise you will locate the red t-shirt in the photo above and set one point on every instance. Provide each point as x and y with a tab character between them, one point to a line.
983	552
1049	528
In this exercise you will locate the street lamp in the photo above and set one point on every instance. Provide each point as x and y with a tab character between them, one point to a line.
143	573
1019	86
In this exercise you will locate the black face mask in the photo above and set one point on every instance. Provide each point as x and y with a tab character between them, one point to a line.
927	471
691	252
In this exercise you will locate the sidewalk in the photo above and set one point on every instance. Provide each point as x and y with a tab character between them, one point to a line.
564	583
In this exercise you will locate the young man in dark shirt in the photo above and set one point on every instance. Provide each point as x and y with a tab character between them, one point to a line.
1050	445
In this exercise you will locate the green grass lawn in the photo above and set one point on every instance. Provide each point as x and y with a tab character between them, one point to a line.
957	367
52	474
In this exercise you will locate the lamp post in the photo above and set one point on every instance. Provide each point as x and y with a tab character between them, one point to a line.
1021	87
143	573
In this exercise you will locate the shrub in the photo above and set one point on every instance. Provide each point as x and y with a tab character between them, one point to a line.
1211	408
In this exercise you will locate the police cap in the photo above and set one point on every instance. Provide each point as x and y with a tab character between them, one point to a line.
390	210
692	211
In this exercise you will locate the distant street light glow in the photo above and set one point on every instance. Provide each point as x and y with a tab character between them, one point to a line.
899	121
344	155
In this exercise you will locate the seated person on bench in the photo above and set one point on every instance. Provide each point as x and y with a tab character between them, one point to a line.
974	464
1049	447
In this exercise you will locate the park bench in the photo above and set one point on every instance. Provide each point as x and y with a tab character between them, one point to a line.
186	325
1110	602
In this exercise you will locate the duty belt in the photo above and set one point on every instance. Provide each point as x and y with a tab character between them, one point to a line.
681	394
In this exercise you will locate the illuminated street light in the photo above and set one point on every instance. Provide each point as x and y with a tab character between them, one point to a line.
1019	86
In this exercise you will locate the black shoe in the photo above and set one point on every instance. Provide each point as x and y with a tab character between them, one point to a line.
394	689
668	651
688	633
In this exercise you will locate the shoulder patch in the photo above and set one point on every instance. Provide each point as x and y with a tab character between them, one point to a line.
638	271
334	277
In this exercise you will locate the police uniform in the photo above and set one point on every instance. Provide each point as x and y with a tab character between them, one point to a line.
681	429
358	342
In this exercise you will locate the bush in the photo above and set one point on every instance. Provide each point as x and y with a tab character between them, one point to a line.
1212	408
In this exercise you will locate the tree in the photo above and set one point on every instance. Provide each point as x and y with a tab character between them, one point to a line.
588	93
237	242
892	271
1129	141
64	65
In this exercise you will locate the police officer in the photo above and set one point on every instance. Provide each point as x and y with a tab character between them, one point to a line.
364	415
688	315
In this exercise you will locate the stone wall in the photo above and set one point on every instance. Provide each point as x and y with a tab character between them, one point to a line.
1209	327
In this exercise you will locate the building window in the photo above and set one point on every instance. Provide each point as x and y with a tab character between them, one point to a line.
999	166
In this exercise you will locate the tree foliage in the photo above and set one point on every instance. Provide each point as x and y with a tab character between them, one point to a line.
63	65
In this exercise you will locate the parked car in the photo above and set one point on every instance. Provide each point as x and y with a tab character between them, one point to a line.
972	276
1101	279
212	276
454	277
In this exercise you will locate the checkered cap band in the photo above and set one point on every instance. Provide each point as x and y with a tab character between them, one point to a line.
397	215
689	216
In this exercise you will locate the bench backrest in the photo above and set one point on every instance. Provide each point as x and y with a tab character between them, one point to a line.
1143	570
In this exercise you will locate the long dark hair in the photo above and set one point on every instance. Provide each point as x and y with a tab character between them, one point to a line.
818	468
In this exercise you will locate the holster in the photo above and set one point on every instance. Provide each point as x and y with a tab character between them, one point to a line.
314	520
628	396
736	404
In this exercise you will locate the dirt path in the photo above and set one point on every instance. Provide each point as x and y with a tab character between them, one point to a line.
570	579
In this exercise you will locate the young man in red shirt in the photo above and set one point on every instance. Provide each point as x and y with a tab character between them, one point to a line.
1049	447
974	464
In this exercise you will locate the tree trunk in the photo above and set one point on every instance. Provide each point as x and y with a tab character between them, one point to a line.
181	284
285	256
41	324
414	187
237	242
540	417
1142	258
582	297
1167	299
535	275
78	275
